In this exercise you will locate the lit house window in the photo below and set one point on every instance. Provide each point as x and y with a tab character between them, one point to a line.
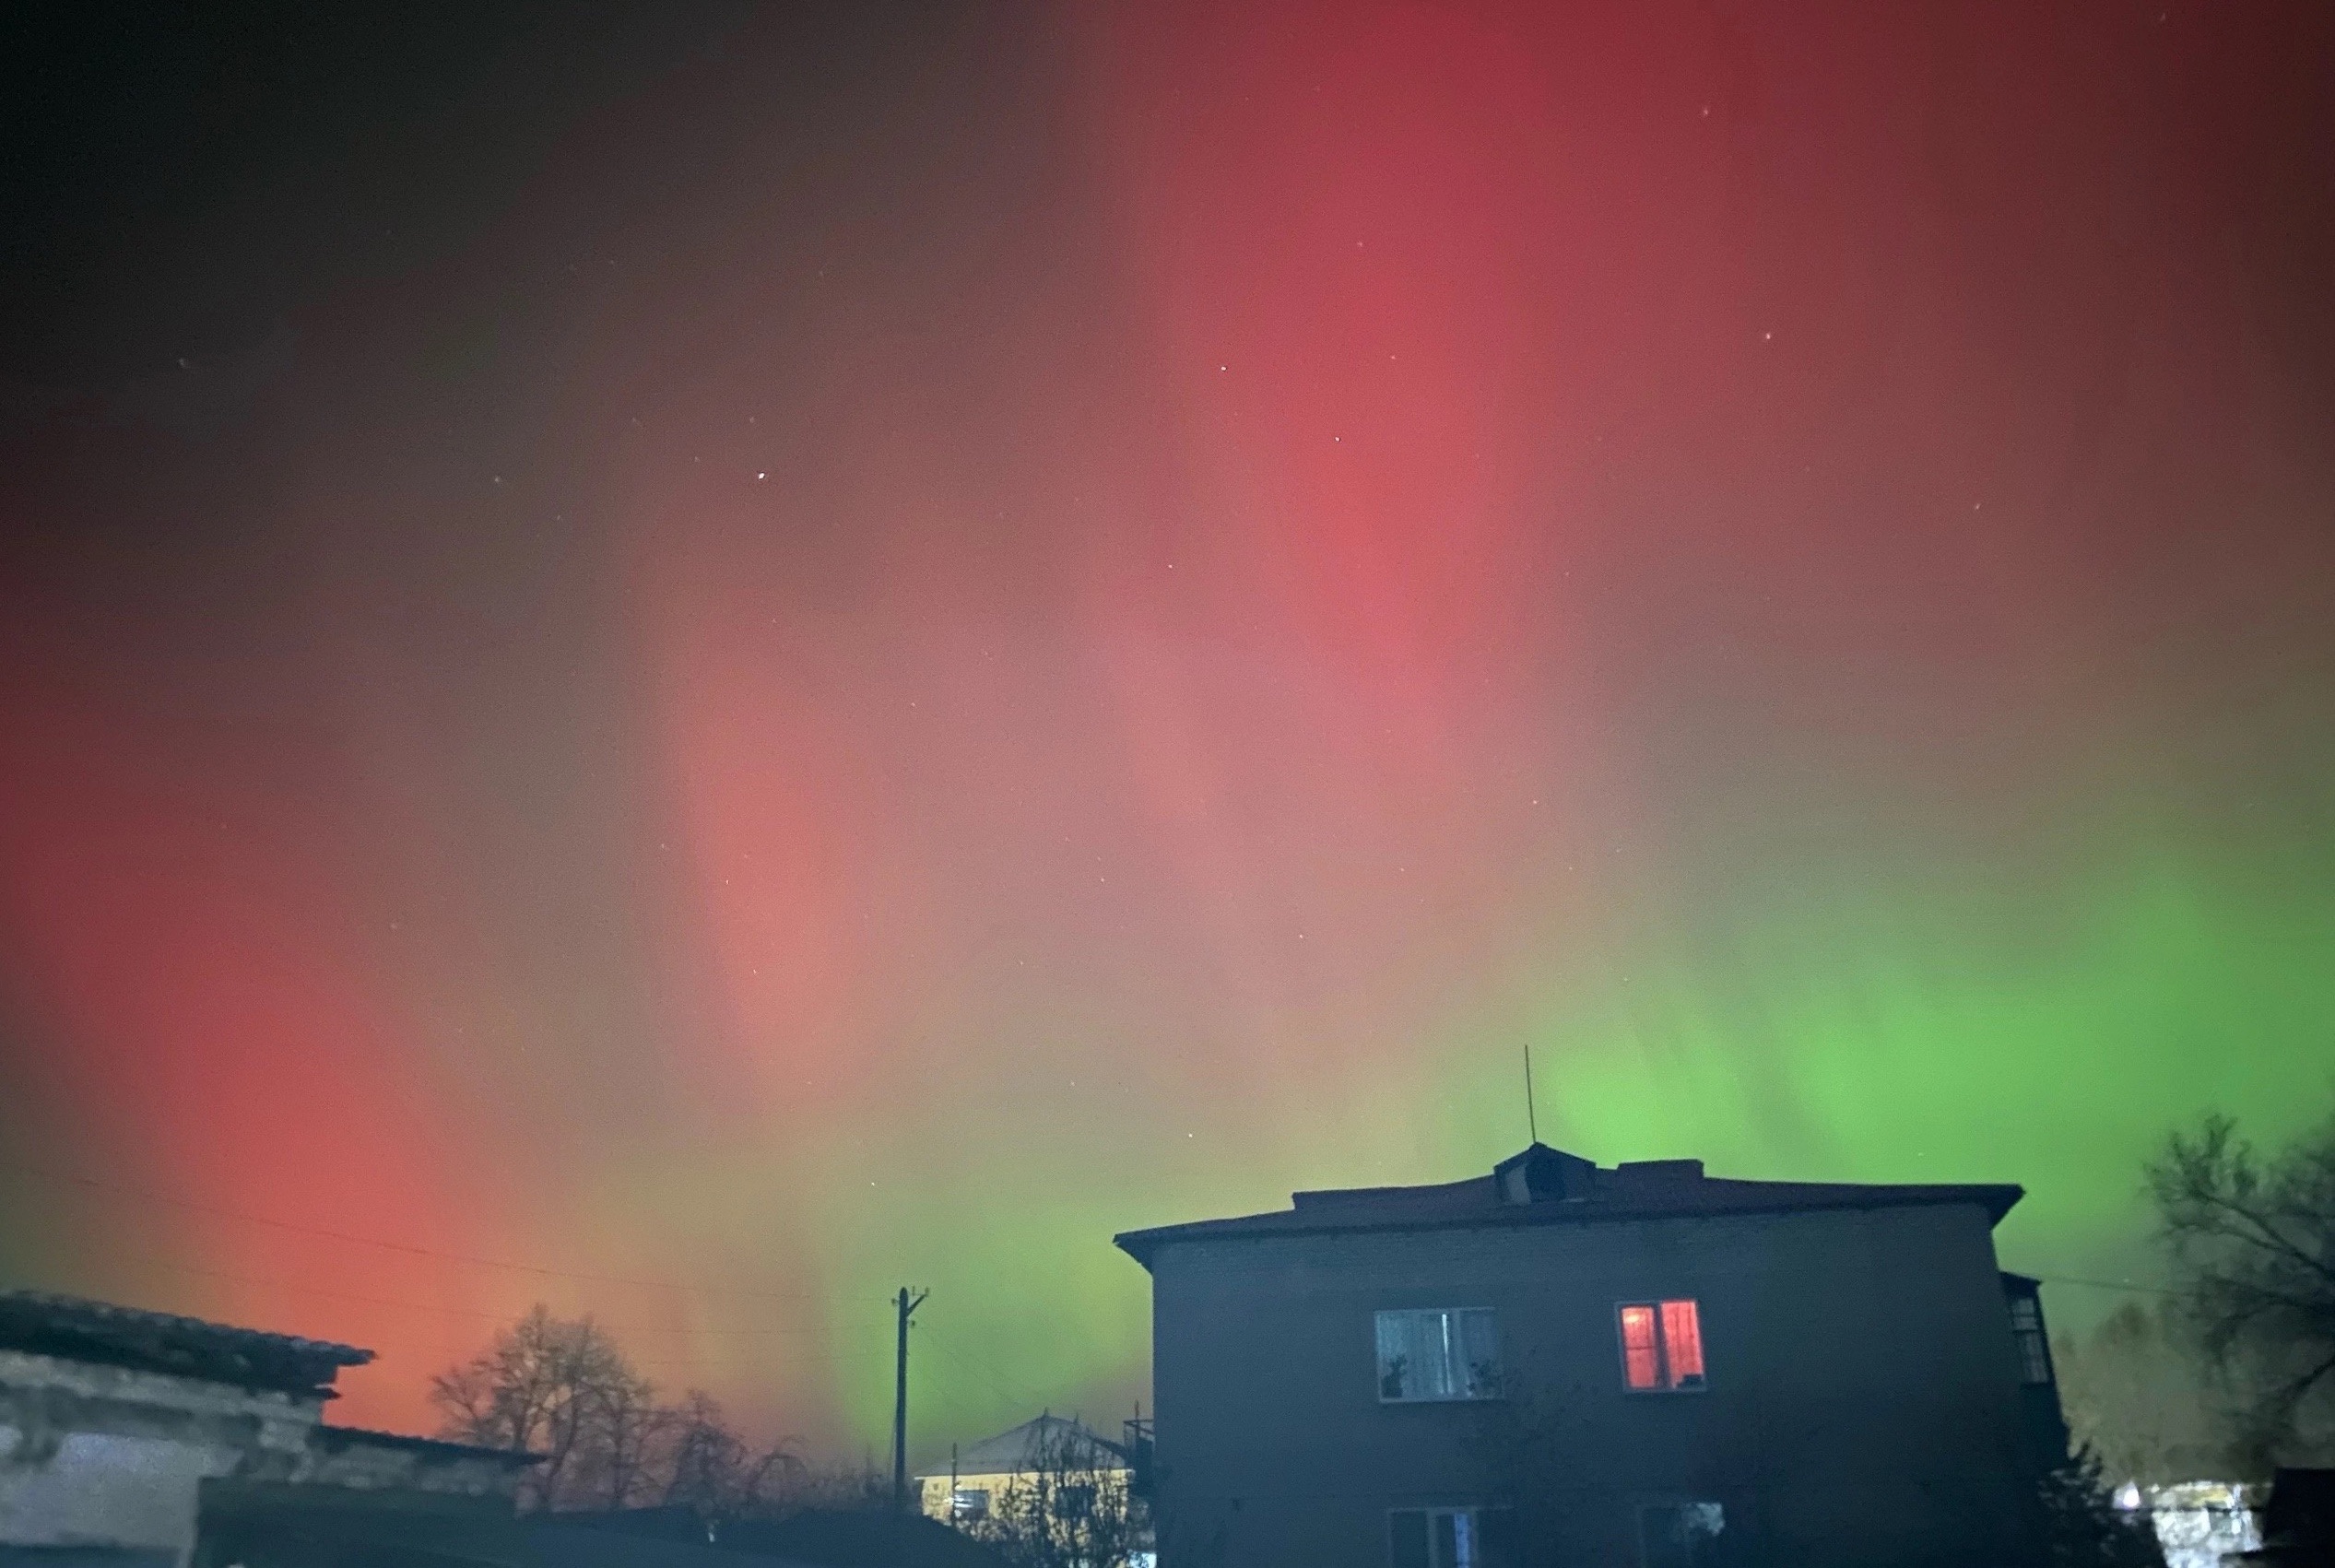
1438	1353
1661	1345
1450	1538
969	1502
2034	1350
1680	1535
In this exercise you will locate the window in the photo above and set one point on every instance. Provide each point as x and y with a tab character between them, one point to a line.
1679	1535
1661	1345
969	1502
1450	1538
1438	1353
2034	1350
1073	1502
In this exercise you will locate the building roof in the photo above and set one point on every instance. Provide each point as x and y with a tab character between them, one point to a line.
340	1438
71	1328
1546	1186
1045	1439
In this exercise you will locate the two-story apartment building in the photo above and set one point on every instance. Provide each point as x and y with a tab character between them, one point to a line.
1556	1363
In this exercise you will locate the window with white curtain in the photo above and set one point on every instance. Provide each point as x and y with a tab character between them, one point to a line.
1428	1353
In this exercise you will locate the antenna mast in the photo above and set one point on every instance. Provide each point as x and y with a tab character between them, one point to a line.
1531	1116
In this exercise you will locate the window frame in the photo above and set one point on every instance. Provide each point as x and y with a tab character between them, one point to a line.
1378	1367
961	1503
1429	1513
2033	1343
1665	1383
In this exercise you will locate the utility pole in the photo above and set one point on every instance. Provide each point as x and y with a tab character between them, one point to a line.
907	1304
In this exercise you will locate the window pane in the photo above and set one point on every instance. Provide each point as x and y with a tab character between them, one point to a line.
2034	1359
1413	1358
1683	1342
1462	1553
1437	1353
1479	1353
1638	1359
1406	1538
1455	1542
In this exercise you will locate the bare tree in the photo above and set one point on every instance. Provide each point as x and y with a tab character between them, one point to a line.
1073	1507
564	1389
2253	1242
710	1469
2138	1396
545	1386
2082	1526
625	1444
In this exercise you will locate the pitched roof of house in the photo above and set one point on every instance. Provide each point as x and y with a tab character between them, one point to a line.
1047	1438
71	1328
1545	1186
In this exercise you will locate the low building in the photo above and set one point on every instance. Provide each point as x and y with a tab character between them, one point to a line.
1559	1362
1050	1452
120	1430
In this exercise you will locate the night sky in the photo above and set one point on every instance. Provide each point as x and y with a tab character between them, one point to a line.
695	664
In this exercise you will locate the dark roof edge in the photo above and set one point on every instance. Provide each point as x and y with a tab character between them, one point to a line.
330	1437
1997	1198
97	1315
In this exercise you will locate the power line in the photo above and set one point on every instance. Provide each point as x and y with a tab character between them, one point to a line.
964	1359
115	1189
2106	1284
699	1360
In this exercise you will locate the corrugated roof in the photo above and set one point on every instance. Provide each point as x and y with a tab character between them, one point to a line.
72	1328
1024	1447
1652	1190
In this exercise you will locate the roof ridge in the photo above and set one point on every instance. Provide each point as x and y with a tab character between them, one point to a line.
359	1355
1478	1202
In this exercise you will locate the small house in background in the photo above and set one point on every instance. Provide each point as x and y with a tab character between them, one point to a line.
1640	1366
1061	1453
125	1434
2298	1521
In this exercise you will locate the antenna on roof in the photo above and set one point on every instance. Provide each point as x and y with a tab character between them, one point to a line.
1531	1116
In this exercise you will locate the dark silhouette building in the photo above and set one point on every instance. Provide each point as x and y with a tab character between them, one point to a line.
1560	1363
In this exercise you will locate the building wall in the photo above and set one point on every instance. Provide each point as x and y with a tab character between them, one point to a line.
1863	1404
934	1492
99	1456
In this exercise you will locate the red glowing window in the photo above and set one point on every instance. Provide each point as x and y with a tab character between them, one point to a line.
1662	1345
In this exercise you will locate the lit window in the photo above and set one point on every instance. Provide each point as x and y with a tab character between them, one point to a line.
1661	1345
1438	1353
2034	1350
969	1502
1680	1535
1450	1538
